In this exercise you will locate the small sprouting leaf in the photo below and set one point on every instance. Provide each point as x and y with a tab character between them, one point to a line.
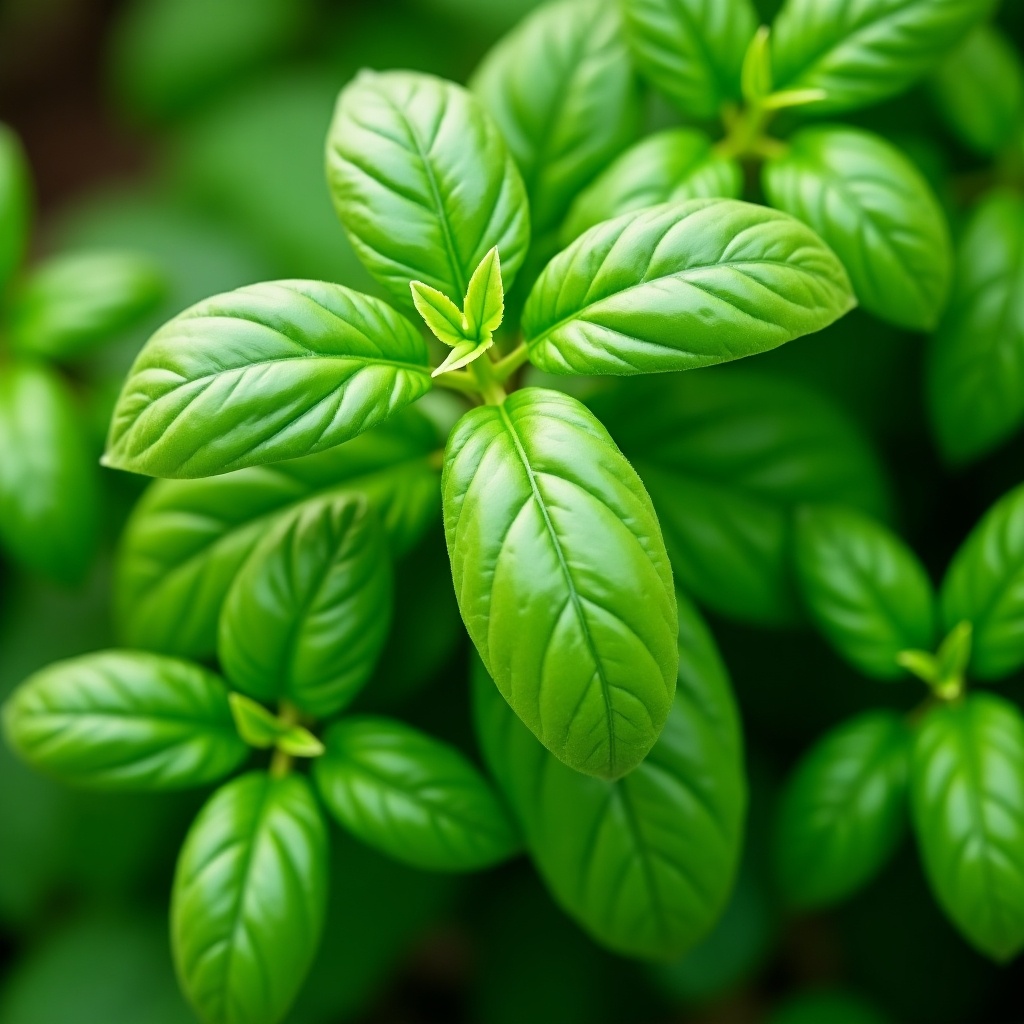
15	205
756	78
463	354
954	654
439	313
484	306
922	664
257	725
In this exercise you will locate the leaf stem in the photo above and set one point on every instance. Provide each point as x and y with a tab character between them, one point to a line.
487	383
504	368
281	763
458	380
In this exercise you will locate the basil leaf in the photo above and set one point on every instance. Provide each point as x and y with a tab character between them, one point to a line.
827	1008
843	810
670	166
980	90
862	53
562	90
727	456
644	864
985	586
976	362
877	212
73	303
692	50
967	794
562	577
125	720
186	539
424	183
412	796
307	615
682	285
864	588
247	907
15	204
485	298
264	373
49	494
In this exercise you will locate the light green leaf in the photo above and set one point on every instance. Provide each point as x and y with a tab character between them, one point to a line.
484	307
423	182
872	206
680	286
263	729
15	205
562	578
439	313
125	720
248	902
264	373
463	354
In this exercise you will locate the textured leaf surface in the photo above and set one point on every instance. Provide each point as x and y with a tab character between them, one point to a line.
248	902
308	613
864	588
562	90
876	211
727	456
668	167
424	183
261	374
562	578
968	800
692	50
682	285
187	538
15	204
412	796
976	363
644	864
125	720
844	809
861	51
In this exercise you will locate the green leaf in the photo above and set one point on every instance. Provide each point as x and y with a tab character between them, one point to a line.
727	456
645	864
877	212
862	53
843	810
692	50
484	306
263	729
562	90
187	539
412	796
680	286
307	615
15	205
668	167
439	313
827	1008
562	578
49	494
979	89
125	720
71	304
463	354
985	586
423	182
865	589
247	906
967	793
976	362
756	73
261	374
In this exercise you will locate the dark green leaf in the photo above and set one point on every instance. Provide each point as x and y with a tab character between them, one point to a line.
827	1008
682	285
248	901
562	577
15	205
125	720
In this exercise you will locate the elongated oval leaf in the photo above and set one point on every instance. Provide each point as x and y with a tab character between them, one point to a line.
682	285
248	902
985	586
692	50
125	720
412	797
967	791
308	613
860	53
15	204
668	167
844	809
877	212
727	456
187	538
562	577
424	183
644	864
864	588
976	362
562	90
261	374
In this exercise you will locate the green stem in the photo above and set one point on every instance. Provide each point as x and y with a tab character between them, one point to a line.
458	380
745	135
281	763
488	384
504	368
